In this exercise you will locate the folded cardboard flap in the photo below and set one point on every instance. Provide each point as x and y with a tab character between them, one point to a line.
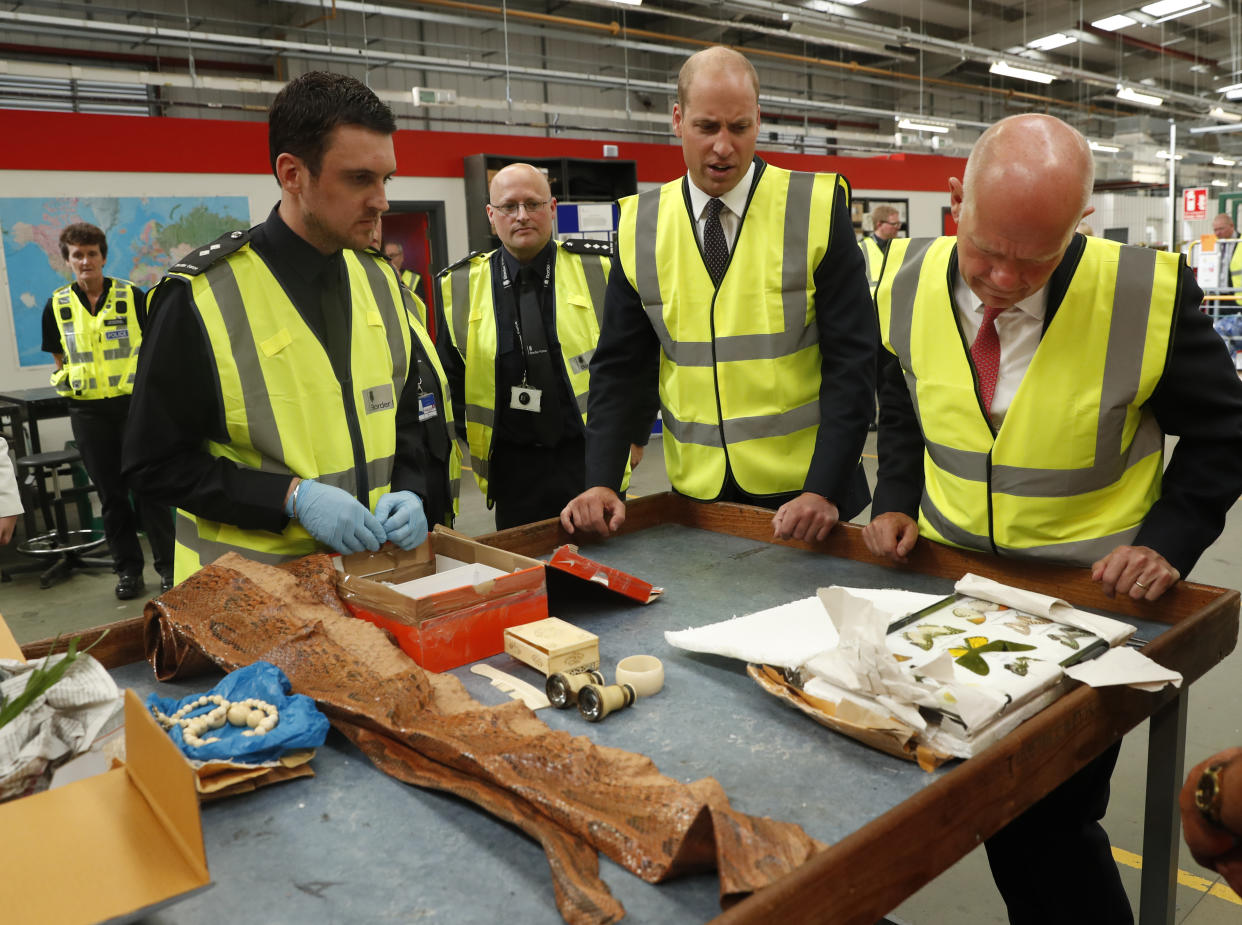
8	644
566	559
128	841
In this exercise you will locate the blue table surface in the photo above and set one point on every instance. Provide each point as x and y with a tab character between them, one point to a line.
353	845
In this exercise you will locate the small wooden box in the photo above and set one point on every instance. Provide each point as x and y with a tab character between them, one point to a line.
553	646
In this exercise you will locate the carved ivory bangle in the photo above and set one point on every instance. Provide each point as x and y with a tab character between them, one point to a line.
644	673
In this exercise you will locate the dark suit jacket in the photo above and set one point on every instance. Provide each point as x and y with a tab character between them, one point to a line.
1198	399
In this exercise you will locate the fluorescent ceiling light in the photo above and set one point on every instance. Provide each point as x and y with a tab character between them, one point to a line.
1223	161
1232	92
1220	183
1049	42
1164	156
918	125
1022	73
1113	23
1103	148
1224	115
1133	96
1171	7
629	2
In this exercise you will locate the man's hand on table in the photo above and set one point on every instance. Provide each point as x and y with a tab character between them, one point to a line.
807	517
596	510
1212	846
892	536
1139	571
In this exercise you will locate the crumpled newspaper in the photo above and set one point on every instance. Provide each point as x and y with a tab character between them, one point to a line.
63	722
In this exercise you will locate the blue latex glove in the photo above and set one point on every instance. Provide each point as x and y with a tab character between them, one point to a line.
401	515
335	518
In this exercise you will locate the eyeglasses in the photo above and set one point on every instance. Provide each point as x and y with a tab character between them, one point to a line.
510	209
890	222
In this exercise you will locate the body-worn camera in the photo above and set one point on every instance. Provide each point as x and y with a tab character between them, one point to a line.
522	398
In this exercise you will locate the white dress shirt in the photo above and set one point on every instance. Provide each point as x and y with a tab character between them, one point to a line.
10	499
734	206
1019	330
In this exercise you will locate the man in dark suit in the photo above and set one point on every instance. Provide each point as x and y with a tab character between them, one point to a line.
762	353
1045	439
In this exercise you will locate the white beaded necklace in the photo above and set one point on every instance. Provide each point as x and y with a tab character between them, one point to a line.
260	716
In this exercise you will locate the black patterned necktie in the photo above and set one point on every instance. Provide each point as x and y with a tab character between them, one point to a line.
714	247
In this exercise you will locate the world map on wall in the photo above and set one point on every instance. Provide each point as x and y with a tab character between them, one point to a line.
146	235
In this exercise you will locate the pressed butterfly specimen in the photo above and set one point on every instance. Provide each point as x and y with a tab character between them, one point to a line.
970	655
922	634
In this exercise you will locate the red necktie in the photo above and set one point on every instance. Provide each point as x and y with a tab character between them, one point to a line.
985	351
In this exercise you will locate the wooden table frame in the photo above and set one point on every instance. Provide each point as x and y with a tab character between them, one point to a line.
870	872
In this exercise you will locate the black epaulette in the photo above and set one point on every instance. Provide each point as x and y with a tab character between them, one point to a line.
199	259
461	263
587	246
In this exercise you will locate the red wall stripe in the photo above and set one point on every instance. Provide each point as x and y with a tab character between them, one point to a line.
163	145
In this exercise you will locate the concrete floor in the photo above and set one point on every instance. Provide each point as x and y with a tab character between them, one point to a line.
964	895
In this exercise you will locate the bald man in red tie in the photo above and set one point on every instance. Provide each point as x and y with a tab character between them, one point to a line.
1028	379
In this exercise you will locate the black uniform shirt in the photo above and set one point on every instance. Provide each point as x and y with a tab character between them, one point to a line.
177	404
515	426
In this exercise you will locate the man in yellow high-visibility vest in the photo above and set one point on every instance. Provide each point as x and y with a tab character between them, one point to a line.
738	295
289	402
1029	377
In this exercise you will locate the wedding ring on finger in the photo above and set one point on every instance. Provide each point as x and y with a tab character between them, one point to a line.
1139	584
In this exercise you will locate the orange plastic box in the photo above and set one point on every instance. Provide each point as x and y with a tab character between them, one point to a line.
450	628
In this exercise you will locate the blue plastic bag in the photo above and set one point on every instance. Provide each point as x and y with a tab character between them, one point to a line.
301	724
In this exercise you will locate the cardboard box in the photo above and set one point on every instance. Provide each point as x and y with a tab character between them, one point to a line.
115	846
453	627
553	646
568	560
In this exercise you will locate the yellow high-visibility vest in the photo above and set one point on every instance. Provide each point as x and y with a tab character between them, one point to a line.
1078	460
873	257
101	350
579	281
739	365
284	407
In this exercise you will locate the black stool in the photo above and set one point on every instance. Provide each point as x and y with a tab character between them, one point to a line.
60	550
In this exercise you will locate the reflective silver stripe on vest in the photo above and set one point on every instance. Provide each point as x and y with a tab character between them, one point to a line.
949	530
798	333
647	283
392	323
459	281
481	414
1122	371
379	472
772	425
582	402
260	418
1079	552
119	353
481	467
1076	552
689	431
114	381
963	463
1123	365
597	283
737	430
211	550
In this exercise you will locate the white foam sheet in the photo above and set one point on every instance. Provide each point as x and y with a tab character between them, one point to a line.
1124	665
784	636
789	635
